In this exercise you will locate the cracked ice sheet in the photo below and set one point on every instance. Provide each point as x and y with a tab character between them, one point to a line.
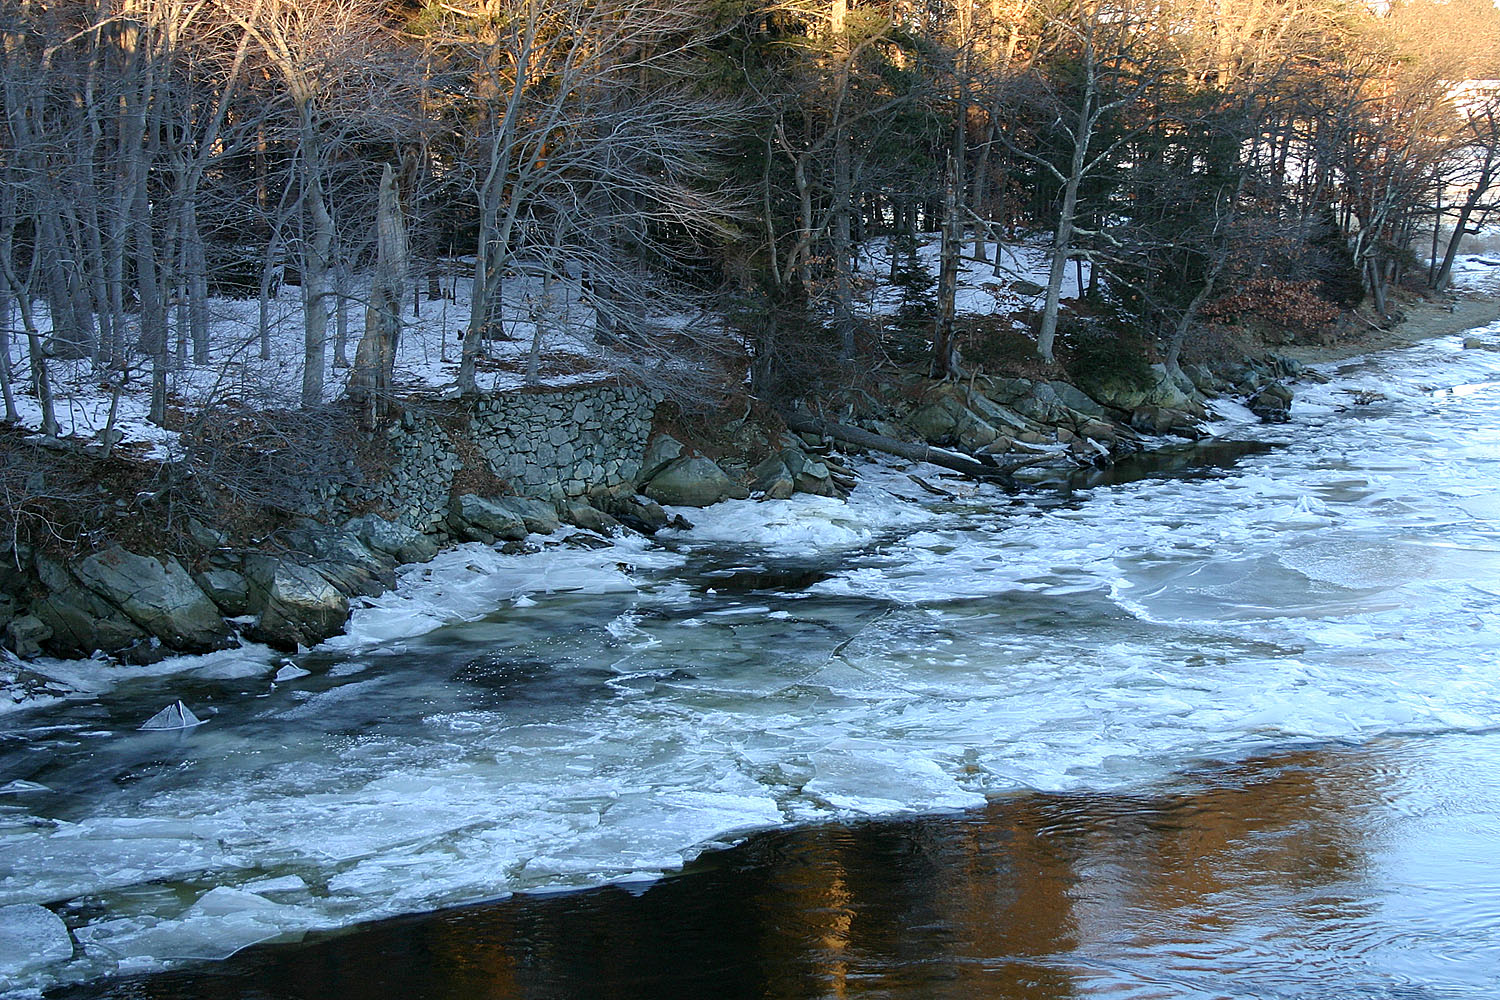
473	580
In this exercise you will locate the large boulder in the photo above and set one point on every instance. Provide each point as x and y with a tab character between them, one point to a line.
635	512
81	622
158	595
773	479
1272	403
589	518
298	605
538	516
26	634
693	482
229	590
947	420
1002	417
935	422
1160	389
477	519
661	452
345	561
403	543
1076	399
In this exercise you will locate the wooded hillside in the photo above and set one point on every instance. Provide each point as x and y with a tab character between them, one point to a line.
699	174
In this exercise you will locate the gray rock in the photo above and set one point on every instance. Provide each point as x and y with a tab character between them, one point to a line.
779	487
1480	344
1272	403
158	595
341	546
404	543
205	536
537	515
1076	399
1041	404
1021	286
81	622
1007	390
973	431
693	482
589	518
26	634
1162	391
481	520
636	512
229	590
662	451
31	937
1173	389
298	606
52	574
773	466
934	422
997	415
1203	379
345	561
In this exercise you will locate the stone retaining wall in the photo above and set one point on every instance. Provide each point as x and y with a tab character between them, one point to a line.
551	445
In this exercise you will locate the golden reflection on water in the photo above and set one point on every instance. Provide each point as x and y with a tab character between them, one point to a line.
1266	878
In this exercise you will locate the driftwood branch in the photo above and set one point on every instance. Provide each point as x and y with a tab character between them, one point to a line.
974	468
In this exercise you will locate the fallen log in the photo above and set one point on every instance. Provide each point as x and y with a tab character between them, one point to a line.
973	467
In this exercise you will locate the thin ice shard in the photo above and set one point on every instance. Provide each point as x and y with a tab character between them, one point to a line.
174	716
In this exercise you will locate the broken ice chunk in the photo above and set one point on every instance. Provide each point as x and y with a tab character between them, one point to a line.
290	672
31	936
21	786
174	716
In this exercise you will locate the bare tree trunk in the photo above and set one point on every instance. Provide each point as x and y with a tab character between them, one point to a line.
7	228
41	385
1062	241
944	344
1462	227
374	360
317	241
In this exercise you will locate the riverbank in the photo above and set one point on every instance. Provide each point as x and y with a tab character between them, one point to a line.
1424	320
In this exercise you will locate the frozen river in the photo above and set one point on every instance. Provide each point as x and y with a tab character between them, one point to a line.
1223	733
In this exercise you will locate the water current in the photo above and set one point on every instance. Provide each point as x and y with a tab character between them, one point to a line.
1226	729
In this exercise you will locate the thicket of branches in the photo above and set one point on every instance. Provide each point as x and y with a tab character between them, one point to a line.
714	158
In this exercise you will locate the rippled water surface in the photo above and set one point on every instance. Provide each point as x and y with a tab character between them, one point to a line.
1227	733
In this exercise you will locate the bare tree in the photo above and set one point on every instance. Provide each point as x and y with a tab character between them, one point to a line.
586	109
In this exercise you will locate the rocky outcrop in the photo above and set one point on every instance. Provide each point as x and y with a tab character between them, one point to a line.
1014	423
78	623
474	518
401	542
589	518
1272	403
794	470
158	595
693	482
636	512
537	516
297	604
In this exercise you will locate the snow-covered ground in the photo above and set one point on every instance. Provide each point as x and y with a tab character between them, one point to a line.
427	358
428	352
